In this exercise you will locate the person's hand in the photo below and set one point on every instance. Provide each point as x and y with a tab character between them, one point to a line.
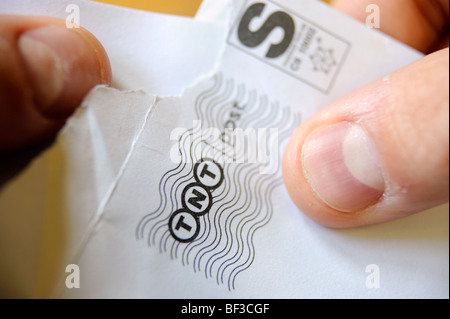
381	152
46	70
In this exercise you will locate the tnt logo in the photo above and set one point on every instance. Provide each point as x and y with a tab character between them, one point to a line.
196	200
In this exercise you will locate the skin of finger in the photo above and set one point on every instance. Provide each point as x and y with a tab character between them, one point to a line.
21	122
407	116
421	24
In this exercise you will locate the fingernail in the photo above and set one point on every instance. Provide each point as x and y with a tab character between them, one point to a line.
62	67
342	166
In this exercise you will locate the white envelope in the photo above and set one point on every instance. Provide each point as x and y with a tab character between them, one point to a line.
116	183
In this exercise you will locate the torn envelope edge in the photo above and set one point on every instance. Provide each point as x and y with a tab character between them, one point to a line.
114	175
83	135
128	76
92	102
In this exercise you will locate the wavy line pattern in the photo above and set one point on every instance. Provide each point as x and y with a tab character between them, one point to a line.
223	247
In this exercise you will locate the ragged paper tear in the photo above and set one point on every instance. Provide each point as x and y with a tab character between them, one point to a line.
182	196
65	185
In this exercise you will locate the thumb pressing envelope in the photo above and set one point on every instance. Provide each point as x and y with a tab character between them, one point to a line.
196	206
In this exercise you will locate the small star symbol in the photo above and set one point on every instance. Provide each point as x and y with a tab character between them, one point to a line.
323	60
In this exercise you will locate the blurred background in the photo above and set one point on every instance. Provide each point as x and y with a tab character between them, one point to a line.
178	7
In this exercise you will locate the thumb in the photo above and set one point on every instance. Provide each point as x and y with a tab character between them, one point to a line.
45	71
377	154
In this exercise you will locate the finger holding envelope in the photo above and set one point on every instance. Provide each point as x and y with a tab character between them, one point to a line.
46	70
382	151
